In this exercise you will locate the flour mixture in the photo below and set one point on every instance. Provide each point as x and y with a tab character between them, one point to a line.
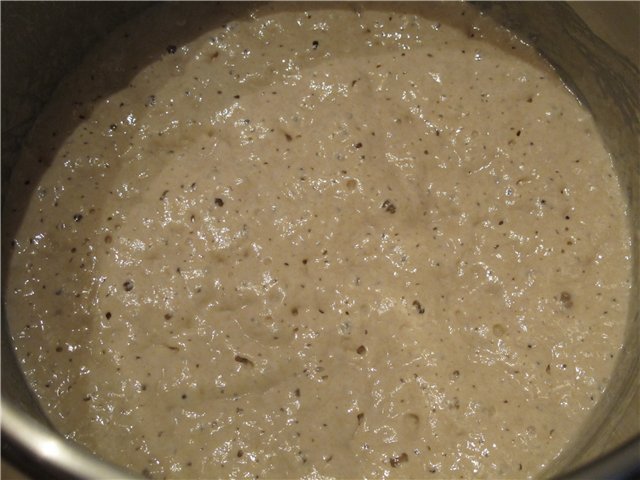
312	241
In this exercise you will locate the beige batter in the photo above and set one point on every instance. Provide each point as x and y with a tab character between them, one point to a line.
284	241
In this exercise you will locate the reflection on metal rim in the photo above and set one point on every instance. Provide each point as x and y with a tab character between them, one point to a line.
34	447
621	464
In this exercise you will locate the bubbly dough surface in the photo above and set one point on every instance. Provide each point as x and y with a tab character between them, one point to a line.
313	241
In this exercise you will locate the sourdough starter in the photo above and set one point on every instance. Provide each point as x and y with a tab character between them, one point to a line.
310	241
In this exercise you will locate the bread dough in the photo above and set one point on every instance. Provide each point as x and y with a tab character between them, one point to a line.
283	241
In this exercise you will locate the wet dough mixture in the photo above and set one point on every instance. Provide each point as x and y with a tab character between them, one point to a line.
317	241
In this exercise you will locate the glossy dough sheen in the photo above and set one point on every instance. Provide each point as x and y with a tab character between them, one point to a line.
314	241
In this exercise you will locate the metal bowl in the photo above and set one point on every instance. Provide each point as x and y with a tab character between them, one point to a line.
595	48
